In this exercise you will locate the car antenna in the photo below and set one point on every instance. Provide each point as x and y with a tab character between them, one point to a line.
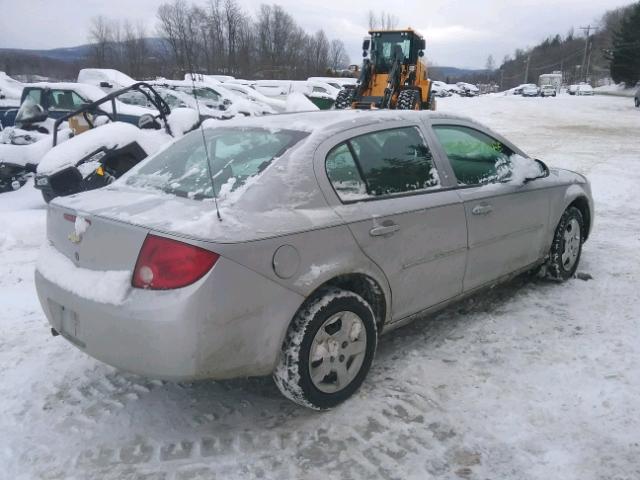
204	141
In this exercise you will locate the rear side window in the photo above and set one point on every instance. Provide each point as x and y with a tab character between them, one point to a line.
475	157
236	155
383	163
344	175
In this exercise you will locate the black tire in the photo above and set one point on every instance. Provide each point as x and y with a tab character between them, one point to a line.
293	376
408	100
557	267
344	98
637	102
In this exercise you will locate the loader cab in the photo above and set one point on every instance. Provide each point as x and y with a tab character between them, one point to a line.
387	46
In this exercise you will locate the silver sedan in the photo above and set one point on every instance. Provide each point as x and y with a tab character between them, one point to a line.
286	245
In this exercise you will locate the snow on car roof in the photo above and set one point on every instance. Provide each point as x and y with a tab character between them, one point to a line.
331	121
91	92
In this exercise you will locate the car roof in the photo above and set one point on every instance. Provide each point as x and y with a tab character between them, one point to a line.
332	121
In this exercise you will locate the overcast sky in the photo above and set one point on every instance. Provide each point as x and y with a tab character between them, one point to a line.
458	33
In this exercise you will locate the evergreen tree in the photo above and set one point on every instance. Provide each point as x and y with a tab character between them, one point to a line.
625	54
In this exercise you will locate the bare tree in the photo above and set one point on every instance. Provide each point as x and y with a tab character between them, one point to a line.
382	21
135	49
338	57
100	39
491	64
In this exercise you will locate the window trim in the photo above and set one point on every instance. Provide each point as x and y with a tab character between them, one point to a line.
515	151
356	159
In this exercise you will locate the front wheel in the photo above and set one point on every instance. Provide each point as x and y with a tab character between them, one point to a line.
328	350
567	245
408	100
637	102
345	98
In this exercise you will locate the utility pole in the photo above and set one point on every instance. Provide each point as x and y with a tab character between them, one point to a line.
526	71
584	67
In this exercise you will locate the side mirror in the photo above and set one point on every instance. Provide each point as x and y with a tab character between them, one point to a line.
422	44
421	53
544	171
366	43
105	85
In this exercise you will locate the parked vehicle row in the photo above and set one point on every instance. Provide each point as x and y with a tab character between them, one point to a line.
359	222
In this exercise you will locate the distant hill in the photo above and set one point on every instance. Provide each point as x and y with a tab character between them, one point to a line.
64	62
74	54
440	73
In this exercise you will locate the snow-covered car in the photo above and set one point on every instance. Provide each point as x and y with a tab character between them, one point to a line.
290	242
335	82
584	90
572	89
517	90
530	90
467	89
439	89
268	104
548	91
106	79
231	102
207	101
101	155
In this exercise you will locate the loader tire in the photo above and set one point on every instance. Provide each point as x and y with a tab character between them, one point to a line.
408	100
344	98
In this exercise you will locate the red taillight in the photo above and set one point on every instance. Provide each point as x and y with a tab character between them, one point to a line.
164	264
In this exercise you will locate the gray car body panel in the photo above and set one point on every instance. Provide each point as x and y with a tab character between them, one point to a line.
283	239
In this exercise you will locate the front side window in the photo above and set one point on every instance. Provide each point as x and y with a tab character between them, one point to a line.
388	47
236	155
382	163
476	158
35	96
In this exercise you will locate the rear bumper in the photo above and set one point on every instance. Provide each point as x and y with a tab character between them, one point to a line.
229	324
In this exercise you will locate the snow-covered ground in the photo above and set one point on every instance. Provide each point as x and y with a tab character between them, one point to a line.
532	380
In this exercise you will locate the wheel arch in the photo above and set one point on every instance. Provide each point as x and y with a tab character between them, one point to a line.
582	204
376	295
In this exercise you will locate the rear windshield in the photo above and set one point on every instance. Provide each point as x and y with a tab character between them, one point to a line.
235	154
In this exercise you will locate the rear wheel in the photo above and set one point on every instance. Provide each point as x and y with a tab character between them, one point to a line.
408	100
344	98
328	350
567	245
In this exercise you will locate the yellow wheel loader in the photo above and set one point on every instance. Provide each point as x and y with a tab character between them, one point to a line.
393	74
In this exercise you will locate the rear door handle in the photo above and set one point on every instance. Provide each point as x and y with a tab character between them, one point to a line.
482	209
384	230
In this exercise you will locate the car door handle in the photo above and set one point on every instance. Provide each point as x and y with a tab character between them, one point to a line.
482	209
384	230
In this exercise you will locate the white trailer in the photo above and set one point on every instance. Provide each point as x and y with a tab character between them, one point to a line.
554	79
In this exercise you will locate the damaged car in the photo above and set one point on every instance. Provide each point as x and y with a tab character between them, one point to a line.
286	245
